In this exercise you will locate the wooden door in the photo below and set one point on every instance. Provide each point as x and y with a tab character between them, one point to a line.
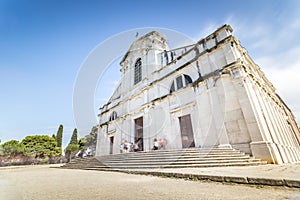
138	133
111	139
187	135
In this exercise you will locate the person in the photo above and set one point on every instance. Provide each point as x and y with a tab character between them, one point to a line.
88	152
130	146
126	147
139	144
122	146
135	147
155	145
162	144
79	153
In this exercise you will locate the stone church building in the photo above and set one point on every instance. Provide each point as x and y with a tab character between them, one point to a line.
206	95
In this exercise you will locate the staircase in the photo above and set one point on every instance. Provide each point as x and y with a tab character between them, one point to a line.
183	158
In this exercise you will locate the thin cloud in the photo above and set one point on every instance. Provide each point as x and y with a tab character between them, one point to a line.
283	71
206	30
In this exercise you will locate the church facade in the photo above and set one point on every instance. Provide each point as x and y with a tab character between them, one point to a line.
206	95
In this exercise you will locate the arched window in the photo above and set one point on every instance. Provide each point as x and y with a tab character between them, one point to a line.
172	89
180	82
113	116
187	79
138	71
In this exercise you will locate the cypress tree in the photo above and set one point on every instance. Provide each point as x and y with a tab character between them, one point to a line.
59	136
72	147
74	137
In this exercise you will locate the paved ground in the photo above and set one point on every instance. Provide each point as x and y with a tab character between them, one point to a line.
288	171
284	175
42	182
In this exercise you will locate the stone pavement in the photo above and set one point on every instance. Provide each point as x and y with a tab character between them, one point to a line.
44	183
274	175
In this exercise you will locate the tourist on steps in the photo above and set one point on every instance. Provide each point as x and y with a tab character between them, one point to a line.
162	144
155	145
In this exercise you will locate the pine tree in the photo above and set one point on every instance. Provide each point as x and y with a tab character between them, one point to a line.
74	137
91	139
72	147
59	136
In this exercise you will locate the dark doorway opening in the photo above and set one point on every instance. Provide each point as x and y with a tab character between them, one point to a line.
111	150
138	133
187	135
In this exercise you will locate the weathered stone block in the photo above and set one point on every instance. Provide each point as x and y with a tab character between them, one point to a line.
266	181
233	179
292	183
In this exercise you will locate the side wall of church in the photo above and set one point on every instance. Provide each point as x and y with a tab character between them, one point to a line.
273	137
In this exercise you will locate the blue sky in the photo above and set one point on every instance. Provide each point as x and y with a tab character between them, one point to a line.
44	43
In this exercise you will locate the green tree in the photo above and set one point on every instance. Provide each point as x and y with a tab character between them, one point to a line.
12	148
72	147
82	143
74	139
91	139
59	135
40	146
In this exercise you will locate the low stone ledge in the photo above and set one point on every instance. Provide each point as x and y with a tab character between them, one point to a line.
229	179
234	179
266	181
209	177
177	175
292	183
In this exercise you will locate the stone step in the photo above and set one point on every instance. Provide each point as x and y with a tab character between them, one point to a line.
190	150
175	152
168	155
175	166
158	157
152	163
176	159
194	157
158	162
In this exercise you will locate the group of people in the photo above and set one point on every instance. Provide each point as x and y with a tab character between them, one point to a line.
134	147
129	147
159	144
84	153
